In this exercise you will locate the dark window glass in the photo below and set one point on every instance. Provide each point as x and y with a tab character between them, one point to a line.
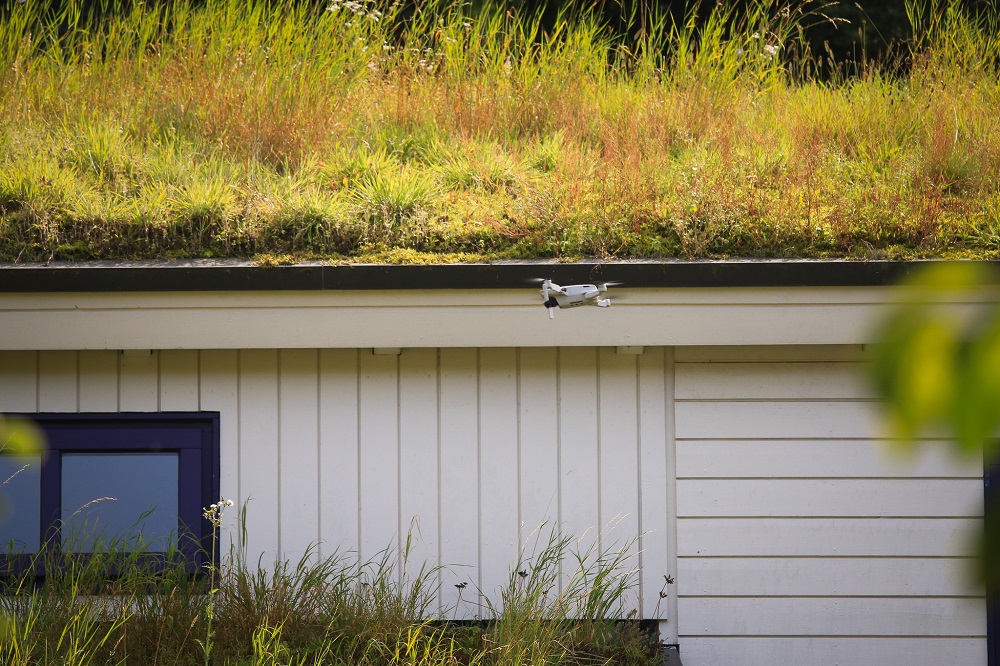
126	498
20	511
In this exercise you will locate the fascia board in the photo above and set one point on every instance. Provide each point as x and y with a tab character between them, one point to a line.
442	318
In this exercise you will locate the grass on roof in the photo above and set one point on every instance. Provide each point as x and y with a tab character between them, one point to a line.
358	128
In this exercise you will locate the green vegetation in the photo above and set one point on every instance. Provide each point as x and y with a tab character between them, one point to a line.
359	128
116	607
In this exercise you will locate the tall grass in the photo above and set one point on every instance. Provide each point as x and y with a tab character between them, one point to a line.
117	606
347	128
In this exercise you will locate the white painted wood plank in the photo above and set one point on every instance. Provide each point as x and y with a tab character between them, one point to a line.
178	380
299	451
460	481
423	298
99	381
619	457
915	651
656	558
379	454
763	381
338	455
258	393
780	420
18	381
957	498
578	445
139	380
819	458
406	323
219	392
842	616
418	456
771	353
57	378
538	455
827	536
819	576
498	409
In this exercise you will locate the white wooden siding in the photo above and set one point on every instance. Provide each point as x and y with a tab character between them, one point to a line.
758	477
801	538
472	453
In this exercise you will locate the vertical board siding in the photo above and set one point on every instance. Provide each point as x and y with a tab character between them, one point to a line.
459	489
498	469
259	460
98	381
340	513
468	458
419	485
298	484
378	455
795	525
218	383
18	381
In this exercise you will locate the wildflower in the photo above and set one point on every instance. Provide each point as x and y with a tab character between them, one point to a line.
771	49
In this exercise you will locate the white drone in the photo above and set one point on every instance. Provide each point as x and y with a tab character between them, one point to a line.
574	295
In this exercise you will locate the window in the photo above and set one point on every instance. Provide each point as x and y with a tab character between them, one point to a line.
134	479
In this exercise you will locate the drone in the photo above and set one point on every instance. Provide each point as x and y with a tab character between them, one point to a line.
574	295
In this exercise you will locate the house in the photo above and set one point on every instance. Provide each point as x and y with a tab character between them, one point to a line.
718	410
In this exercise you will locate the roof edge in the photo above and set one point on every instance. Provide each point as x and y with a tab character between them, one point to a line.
241	275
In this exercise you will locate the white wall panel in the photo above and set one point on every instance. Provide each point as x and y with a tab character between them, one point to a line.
340	511
538	454
459	494
419	457
378	454
831	616
499	468
178	380
298	456
57	381
881	651
806	537
99	381
821	459
826	576
219	391
18	381
778	420
655	484
139	381
258	462
579	444
796	524
762	381
798	498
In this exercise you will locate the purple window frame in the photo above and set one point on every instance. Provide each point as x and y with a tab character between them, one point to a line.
194	436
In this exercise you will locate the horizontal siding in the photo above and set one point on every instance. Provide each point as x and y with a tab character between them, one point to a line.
810	537
763	381
846	616
795	498
854	459
820	651
825	576
779	420
797	524
467	455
